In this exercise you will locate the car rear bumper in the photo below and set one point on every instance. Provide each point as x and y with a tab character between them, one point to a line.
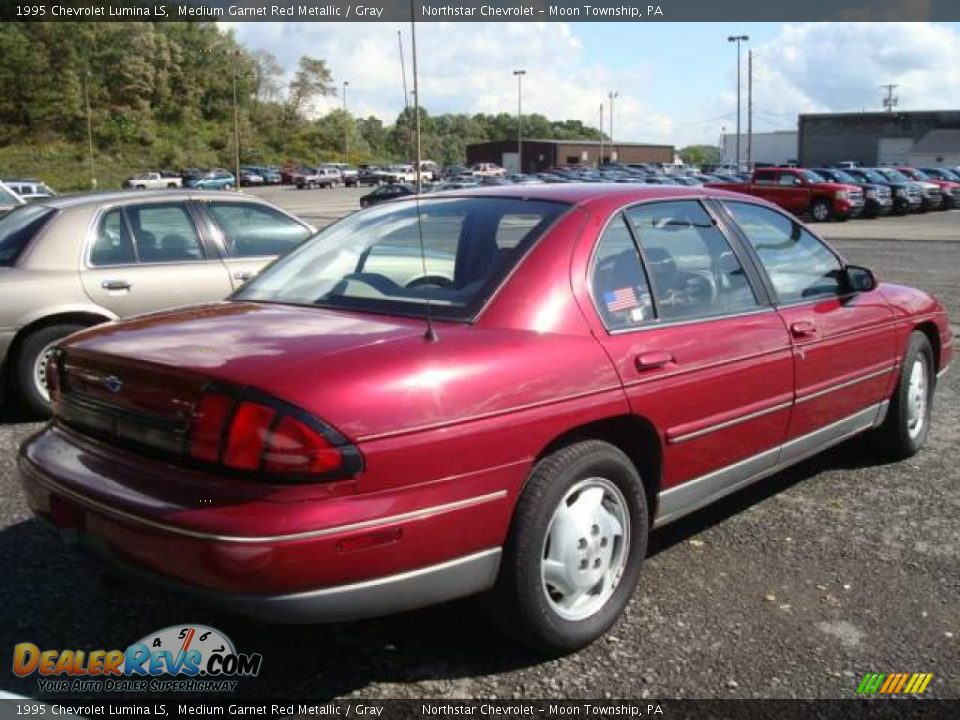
366	556
396	593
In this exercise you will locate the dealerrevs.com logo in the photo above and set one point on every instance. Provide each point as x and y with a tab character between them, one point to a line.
181	658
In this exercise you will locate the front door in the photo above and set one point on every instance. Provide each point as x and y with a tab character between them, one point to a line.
251	235
699	350
149	257
844	343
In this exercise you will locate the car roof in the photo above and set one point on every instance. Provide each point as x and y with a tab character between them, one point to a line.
585	194
62	202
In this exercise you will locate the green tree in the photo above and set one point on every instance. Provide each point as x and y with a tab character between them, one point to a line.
700	154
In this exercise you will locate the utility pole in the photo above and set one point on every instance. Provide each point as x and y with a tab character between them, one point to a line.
600	159
86	98
738	39
520	74
890	101
236	126
750	109
416	94
346	124
612	95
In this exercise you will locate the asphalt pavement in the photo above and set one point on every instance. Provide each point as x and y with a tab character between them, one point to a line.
794	587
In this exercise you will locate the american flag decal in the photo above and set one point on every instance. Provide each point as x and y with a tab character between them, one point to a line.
622	299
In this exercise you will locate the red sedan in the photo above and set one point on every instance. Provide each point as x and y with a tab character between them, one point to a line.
493	391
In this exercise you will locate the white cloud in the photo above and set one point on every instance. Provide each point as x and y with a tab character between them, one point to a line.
840	67
466	67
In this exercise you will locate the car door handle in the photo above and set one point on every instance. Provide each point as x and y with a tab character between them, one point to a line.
803	328
242	276
654	359
115	285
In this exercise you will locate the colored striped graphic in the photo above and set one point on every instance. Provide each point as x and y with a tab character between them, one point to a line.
894	683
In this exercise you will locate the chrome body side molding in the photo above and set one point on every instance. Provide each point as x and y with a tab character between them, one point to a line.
699	492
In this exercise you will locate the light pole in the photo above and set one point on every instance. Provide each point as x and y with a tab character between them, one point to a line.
520	74
86	99
236	125
738	39
600	159
346	123
612	95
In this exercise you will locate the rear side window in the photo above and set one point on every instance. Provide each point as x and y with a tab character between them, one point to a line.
19	227
164	233
253	231
693	268
113	245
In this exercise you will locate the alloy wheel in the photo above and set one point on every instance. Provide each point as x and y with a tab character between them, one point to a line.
585	548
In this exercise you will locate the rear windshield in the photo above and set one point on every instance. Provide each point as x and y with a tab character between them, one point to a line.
372	260
18	227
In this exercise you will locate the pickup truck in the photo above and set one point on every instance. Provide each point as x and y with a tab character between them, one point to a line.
152	181
801	192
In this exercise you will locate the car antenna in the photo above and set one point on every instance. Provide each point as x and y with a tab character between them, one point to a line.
431	334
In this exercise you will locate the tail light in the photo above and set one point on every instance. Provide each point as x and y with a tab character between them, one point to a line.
250	432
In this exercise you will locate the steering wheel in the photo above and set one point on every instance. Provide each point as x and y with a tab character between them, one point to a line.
437	280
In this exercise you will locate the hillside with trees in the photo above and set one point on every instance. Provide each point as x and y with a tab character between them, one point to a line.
161	95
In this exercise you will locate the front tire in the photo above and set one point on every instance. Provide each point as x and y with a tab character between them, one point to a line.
905	429
821	210
575	549
30	365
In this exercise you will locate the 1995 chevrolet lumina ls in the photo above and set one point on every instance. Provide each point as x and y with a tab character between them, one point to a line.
603	360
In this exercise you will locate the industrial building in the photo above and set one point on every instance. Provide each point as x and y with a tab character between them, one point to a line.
881	138
766	148
539	155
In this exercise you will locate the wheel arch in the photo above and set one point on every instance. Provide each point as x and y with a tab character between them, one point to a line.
88	318
635	436
932	333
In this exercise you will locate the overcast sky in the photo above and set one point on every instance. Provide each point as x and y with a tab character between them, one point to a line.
677	81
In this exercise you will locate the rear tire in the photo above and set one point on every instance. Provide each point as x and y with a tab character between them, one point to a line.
575	549
905	429
29	368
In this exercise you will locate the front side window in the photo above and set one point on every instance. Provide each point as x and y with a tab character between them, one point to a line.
253	231
798	264
693	269
164	233
396	258
788	180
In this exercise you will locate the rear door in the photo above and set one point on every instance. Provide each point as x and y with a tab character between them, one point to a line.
148	257
250	235
844	344
699	349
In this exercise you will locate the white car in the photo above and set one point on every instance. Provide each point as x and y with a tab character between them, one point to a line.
30	189
487	170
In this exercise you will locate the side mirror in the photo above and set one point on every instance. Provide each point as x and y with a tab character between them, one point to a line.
859	279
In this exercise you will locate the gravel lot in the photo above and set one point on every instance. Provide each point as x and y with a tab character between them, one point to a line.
795	587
